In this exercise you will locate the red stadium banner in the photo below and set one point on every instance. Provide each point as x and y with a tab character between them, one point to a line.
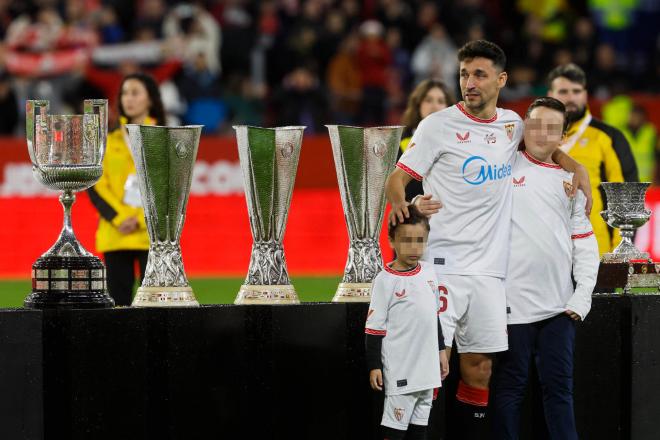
216	240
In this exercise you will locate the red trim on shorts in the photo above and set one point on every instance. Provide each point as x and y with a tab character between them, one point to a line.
471	395
409	273
370	331
474	118
409	171
539	163
585	235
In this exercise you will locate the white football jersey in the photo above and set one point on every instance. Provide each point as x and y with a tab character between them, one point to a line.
465	162
551	235
404	309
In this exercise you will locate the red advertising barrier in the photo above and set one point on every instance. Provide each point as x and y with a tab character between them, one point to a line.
216	238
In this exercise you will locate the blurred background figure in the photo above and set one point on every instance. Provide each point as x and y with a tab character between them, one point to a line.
429	96
122	232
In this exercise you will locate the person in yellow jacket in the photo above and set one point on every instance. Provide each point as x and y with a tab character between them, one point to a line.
122	233
430	96
600	148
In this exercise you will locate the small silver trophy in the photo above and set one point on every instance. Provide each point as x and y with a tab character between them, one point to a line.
364	157
164	159
67	154
269	160
626	211
626	267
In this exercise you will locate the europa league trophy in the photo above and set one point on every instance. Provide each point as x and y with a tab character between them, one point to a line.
67	153
164	158
626	267
364	157
269	160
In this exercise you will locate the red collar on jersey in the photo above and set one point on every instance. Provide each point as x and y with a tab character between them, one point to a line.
539	163
474	118
407	273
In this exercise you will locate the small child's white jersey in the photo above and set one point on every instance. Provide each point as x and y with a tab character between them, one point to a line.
404	309
550	235
465	162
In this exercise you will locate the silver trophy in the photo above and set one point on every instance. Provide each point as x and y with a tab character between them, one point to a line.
269	160
364	158
67	154
164	158
626	211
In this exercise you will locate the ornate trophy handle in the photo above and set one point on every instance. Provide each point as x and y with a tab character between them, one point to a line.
99	107
32	108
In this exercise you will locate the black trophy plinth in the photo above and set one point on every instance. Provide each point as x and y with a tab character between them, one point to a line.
68	282
640	275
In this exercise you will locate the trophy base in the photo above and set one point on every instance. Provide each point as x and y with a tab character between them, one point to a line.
68	282
353	292
267	294
165	297
643	276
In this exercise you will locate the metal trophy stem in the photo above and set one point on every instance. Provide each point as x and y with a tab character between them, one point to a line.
164	159
67	153
364	158
269	160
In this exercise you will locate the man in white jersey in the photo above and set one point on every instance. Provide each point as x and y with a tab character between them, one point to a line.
405	348
464	155
551	235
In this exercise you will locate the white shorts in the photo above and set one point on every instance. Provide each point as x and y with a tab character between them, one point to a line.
403	409
475	313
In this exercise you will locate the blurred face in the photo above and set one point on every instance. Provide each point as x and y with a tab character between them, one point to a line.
409	243
572	95
434	100
543	132
135	100
480	83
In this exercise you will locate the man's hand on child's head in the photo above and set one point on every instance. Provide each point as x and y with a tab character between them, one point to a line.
427	205
399	212
444	364
376	380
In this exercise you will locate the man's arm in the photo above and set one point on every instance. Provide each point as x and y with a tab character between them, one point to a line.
580	176
395	191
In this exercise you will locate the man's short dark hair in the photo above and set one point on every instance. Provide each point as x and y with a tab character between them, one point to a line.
484	49
570	71
414	218
551	103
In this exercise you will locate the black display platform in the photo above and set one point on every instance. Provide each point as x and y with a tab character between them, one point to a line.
272	372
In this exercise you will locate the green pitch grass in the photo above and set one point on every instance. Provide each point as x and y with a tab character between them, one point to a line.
207	290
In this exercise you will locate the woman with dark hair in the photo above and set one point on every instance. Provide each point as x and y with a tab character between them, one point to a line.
429	96
122	233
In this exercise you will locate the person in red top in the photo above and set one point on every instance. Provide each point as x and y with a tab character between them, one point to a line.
374	60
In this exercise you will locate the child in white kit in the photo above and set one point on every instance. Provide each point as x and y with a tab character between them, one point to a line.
405	346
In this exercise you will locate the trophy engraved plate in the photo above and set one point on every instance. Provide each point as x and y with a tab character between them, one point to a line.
67	154
364	158
164	159
626	267
269	160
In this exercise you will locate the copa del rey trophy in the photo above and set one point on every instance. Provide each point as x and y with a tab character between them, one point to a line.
364	158
164	159
67	154
626	266
269	160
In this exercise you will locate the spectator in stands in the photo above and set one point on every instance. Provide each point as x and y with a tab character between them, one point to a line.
600	148
344	82
122	233
374	60
430	95
301	100
435	57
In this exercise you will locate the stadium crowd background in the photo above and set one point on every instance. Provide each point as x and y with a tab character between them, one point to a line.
312	62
